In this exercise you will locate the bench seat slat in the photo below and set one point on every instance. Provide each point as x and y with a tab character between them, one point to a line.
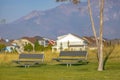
68	59
71	57
29	59
31	56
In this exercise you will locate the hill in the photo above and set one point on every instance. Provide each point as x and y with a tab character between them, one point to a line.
66	18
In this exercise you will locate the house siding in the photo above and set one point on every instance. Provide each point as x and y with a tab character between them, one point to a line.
65	42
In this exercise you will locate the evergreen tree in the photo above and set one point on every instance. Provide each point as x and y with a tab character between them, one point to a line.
38	47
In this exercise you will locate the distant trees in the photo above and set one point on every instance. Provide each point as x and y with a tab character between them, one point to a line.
28	47
2	46
38	47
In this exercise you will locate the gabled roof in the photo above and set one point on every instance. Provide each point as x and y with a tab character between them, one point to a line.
31	39
2	41
89	39
39	38
76	36
60	37
64	36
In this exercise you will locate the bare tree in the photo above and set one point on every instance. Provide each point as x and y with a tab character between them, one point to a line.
99	42
93	27
100	66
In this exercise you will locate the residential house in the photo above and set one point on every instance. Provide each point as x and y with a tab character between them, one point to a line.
44	41
30	40
23	41
92	42
8	45
41	41
10	48
69	42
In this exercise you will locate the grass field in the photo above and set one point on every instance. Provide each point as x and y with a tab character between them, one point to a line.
51	71
60	72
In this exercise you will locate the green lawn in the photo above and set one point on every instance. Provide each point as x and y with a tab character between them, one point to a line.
60	72
51	71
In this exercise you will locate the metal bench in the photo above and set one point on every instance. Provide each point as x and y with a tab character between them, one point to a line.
72	57
29	59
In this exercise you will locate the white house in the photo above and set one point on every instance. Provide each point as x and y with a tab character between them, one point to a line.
69	42
9	48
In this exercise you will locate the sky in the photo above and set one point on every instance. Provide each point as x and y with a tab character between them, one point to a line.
14	9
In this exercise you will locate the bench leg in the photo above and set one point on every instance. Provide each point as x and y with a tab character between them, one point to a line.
68	65
27	66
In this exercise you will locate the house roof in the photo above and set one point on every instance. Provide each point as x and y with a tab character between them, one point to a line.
31	39
75	36
39	38
7	43
60	37
2	40
89	39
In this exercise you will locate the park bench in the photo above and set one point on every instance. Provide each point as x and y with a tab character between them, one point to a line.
72	57
29	59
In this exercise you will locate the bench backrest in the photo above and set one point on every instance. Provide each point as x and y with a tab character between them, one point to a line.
73	54
31	56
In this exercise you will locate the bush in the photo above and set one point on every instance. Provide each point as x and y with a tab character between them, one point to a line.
2	46
28	47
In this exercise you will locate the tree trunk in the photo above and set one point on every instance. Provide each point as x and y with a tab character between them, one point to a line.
93	27
100	66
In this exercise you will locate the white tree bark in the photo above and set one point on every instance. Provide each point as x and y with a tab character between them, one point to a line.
100	66
93	27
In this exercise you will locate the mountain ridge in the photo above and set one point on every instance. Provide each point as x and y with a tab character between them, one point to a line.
63	19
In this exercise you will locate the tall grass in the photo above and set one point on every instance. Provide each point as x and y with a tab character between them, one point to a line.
6	58
9	71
